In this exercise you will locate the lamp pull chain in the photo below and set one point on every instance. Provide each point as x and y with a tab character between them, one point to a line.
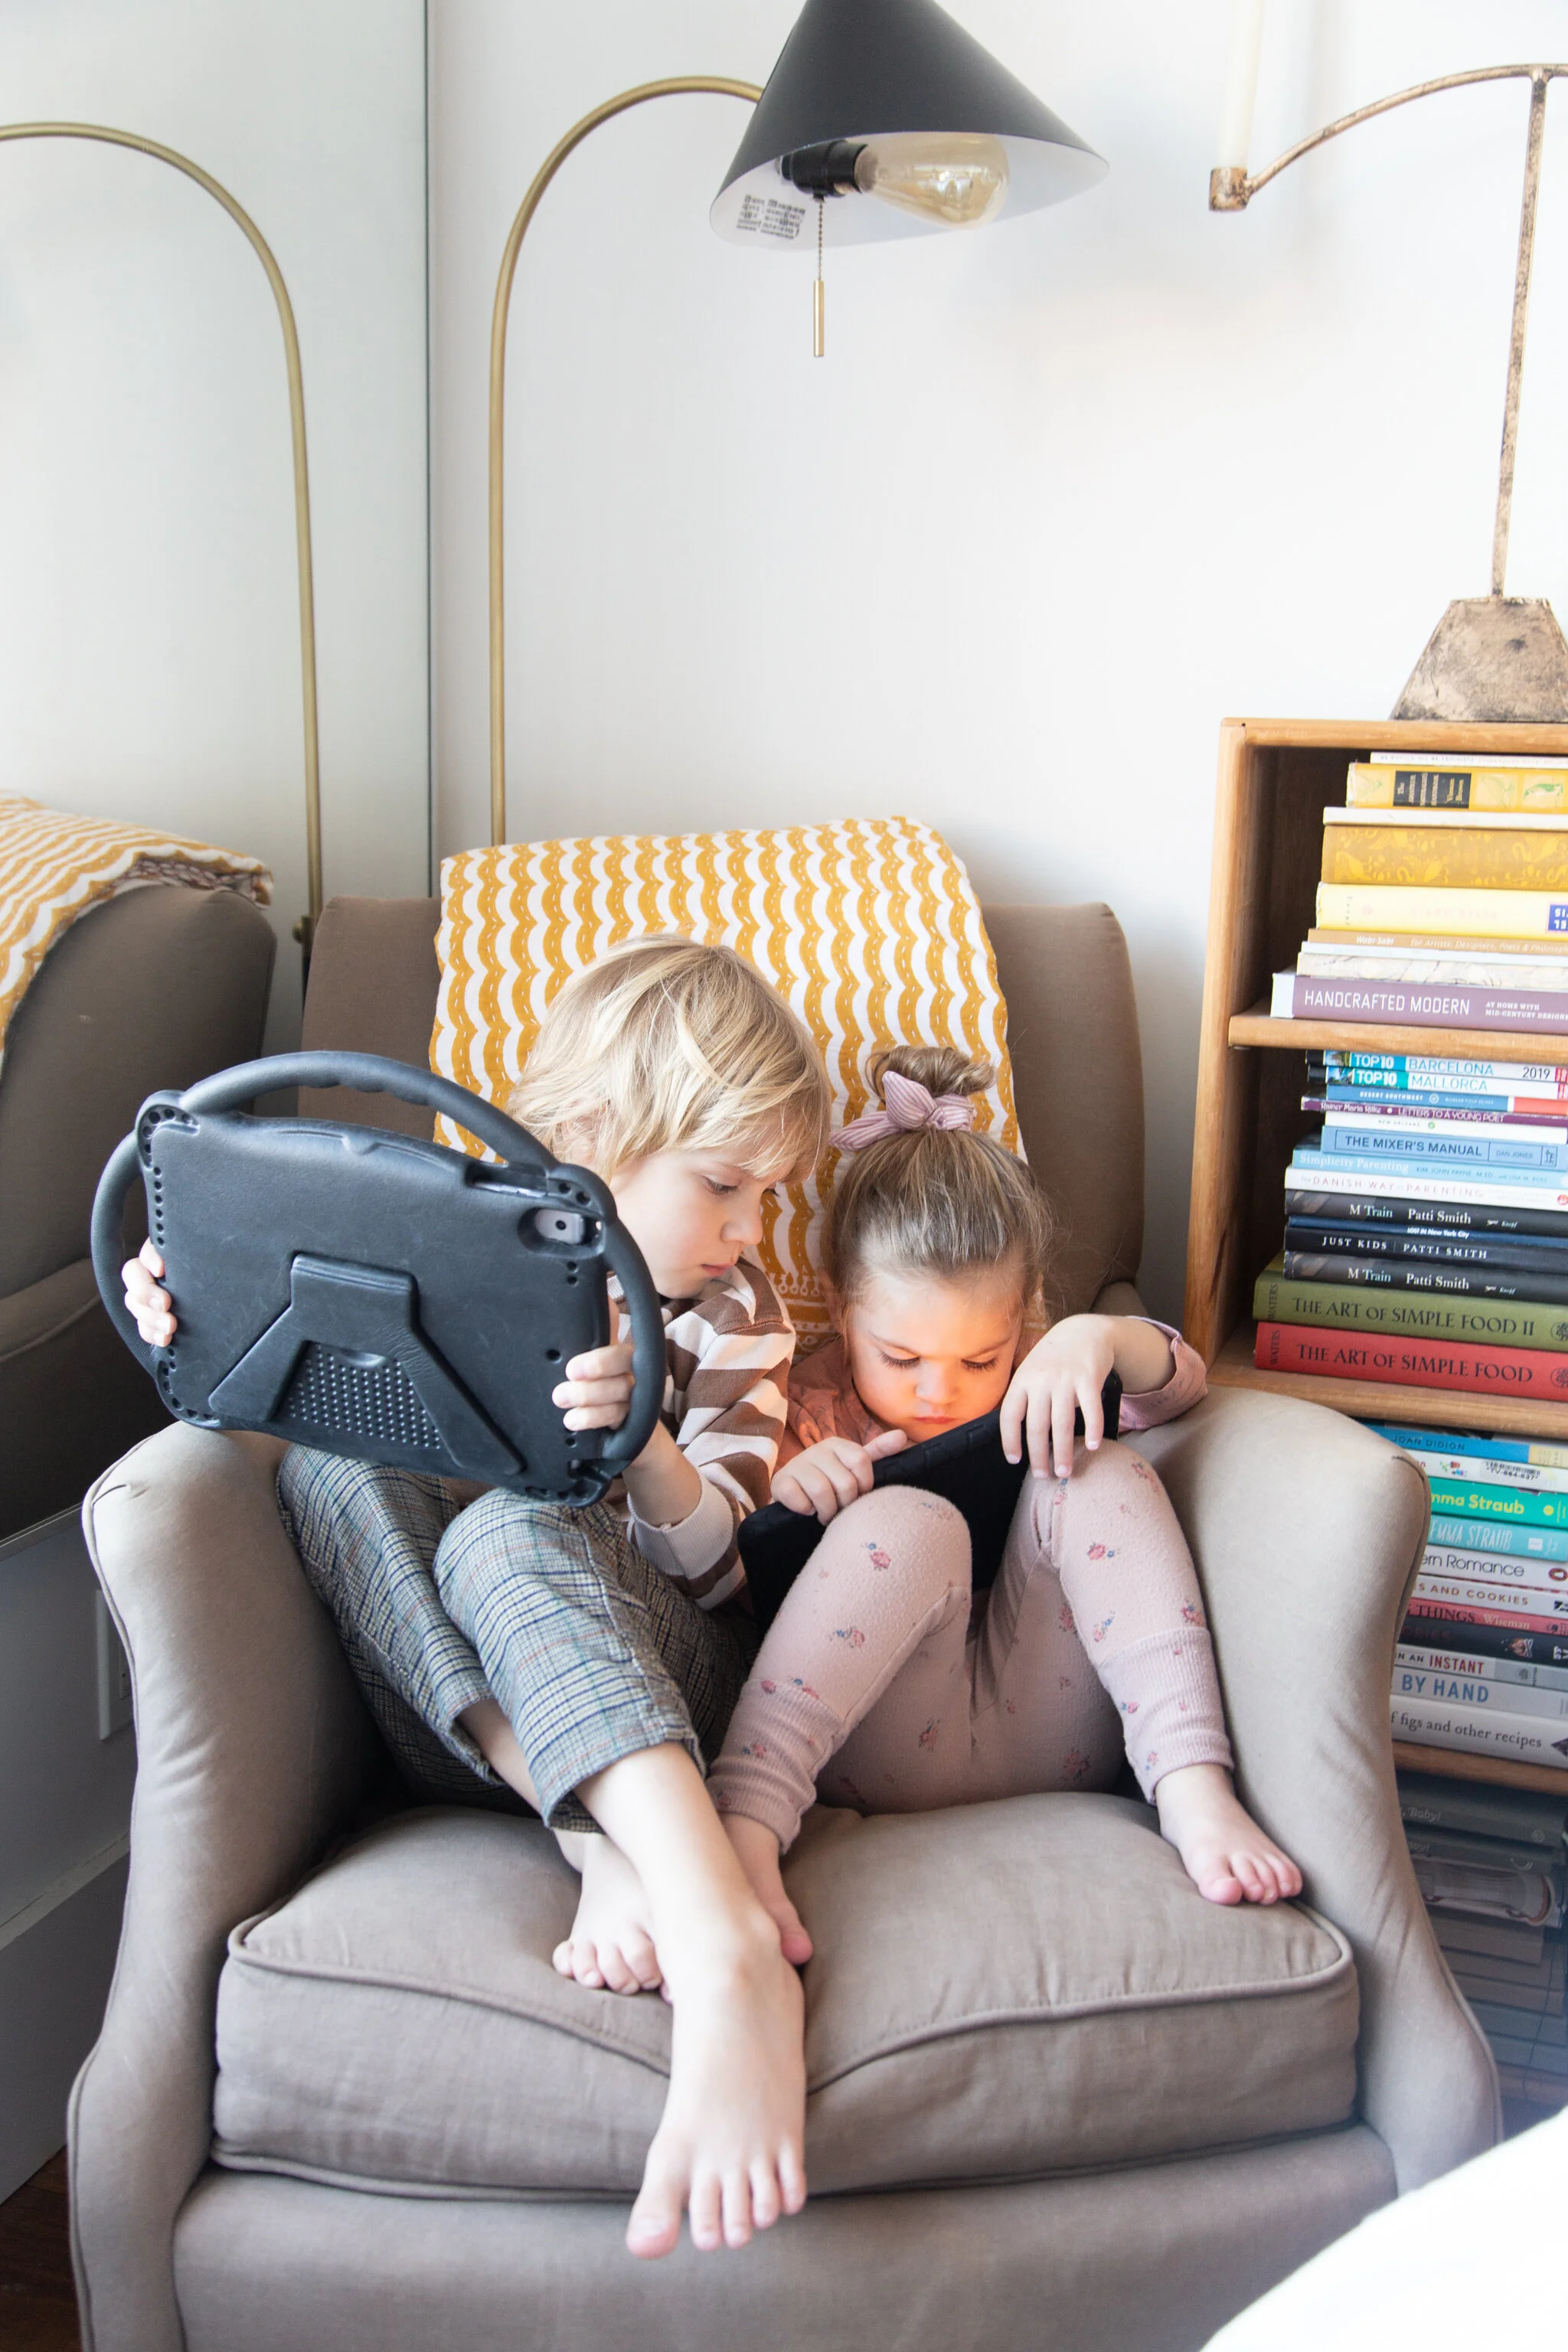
818	337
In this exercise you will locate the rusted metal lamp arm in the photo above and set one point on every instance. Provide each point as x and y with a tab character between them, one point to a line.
305	927
1231	189
678	86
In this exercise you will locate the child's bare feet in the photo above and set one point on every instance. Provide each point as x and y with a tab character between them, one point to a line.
1227	1856
730	2148
610	1947
757	1852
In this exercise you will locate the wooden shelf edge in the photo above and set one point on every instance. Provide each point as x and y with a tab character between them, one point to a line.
1258	1027
1233	1368
1452	1764
1403	735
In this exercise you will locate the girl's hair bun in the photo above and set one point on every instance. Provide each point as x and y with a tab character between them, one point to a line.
941	1069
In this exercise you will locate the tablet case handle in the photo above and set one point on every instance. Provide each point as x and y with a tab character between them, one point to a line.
376	1073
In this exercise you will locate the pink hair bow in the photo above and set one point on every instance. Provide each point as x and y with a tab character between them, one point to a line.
906	1104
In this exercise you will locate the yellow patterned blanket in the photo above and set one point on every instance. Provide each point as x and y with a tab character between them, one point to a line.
869	929
53	867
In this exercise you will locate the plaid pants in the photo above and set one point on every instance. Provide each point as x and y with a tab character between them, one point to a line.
592	1653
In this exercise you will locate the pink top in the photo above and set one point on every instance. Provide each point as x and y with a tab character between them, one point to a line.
824	1402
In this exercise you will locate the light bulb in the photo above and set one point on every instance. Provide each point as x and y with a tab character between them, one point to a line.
956	179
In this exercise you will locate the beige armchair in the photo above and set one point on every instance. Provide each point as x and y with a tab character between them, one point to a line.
342	2104
152	989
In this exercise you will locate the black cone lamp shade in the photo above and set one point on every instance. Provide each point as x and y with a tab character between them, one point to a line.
890	111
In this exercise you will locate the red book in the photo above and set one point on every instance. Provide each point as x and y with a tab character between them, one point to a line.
1412	1363
1453	1614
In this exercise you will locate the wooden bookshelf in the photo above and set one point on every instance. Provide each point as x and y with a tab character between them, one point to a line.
1276	778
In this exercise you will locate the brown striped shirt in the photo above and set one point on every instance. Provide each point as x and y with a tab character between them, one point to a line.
728	1351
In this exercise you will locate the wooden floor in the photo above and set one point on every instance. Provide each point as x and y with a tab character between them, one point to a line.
37	2300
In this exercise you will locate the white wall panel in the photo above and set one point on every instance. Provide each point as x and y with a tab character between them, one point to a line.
1060	496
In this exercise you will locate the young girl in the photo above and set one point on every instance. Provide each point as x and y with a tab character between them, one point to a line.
588	1658
877	1686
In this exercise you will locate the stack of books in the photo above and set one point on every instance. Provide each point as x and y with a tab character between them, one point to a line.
1482	1661
1426	1216
1491	1863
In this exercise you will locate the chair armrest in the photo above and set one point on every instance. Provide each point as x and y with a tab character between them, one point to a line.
1307	1530
253	1749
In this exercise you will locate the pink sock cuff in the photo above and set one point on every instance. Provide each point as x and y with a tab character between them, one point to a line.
1167	1694
780	1737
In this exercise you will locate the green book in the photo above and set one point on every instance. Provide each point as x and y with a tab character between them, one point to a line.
1525	1511
1409	1314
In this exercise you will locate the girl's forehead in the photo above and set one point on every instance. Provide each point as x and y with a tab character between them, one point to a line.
895	1299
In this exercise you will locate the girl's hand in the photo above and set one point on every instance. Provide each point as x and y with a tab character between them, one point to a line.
151	1307
832	1474
597	1389
1063	1375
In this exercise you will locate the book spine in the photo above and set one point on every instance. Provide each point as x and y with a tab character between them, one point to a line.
1524	1477
1498	1642
1363	1092
1464	857
1299	997
1468	1691
1518	1456
1482	1612
1439	1149
1418	1245
1385	1274
1488	1538
1527	1739
1477	1498
1435	1069
1470	914
1488	1188
1481	1808
1469	1114
1465	1219
1498	1673
1503	791
1411	1315
1538	1587
1413	1363
1480	1500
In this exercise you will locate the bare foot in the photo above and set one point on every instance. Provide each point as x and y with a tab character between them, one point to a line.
1227	1856
730	2148
757	1852
610	1947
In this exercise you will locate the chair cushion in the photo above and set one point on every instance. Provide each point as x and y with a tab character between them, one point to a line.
1002	1990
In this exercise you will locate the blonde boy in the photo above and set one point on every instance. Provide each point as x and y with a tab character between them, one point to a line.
588	1659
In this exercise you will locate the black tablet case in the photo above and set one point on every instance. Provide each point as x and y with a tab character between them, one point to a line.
967	1465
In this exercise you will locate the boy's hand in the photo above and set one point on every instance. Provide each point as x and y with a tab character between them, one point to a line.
597	1388
832	1473
151	1307
1063	1375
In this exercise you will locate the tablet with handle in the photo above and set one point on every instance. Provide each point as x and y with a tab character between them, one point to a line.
371	1295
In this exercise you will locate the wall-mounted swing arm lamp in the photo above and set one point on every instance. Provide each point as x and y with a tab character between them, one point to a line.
1493	658
881	119
305	927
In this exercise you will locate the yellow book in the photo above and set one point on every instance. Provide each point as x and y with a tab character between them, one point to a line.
1463	914
1448	857
1451	784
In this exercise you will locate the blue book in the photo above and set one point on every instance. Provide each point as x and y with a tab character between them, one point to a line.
1455	1441
1495	1150
1417	1100
1489	1535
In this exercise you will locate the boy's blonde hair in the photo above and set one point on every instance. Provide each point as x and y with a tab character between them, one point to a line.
664	1044
945	1202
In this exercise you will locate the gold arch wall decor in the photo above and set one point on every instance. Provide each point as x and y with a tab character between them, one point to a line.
1492	657
678	86
304	929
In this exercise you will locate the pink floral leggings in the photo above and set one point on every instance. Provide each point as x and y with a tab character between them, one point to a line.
878	1687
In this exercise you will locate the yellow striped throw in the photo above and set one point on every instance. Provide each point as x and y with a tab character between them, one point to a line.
53	867
869	929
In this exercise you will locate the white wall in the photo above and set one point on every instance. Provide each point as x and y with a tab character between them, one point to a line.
149	629
1059	497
